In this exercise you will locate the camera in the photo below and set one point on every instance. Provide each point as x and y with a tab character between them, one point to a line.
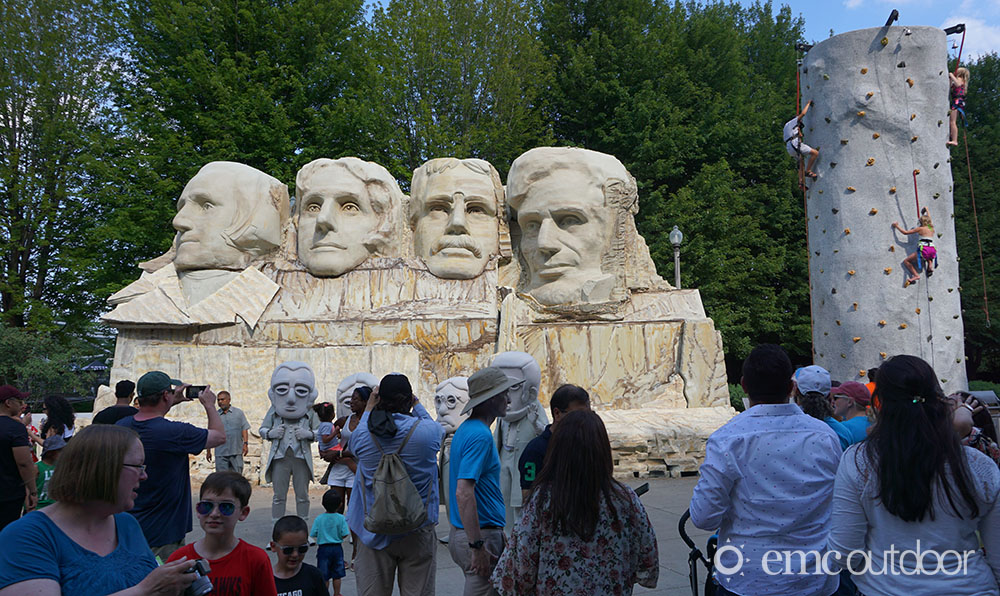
201	585
193	391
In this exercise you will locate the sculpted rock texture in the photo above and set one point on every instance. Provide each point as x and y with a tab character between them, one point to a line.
455	212
525	420
291	425
858	287
355	288
346	210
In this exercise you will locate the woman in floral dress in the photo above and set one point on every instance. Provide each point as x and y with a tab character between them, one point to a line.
582	532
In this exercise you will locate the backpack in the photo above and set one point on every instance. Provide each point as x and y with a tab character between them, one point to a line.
397	508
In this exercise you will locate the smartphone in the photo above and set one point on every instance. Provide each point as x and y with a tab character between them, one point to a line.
642	489
193	391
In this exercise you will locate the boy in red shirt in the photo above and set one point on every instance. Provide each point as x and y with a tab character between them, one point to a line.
237	568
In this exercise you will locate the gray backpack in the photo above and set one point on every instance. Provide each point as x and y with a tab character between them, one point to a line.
397	507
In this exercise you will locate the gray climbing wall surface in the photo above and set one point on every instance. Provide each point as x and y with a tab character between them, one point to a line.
880	112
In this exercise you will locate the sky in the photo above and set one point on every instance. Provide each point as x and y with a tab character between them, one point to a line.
981	17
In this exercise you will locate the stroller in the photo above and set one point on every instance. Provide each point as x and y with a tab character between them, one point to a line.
695	557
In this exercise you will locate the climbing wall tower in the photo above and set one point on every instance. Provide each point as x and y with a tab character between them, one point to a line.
880	114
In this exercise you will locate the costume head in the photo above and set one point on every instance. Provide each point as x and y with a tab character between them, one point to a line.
522	368
450	398
293	389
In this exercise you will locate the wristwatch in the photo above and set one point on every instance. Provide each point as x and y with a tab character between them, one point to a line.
476	545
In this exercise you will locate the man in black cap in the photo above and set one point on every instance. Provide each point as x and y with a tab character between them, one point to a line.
478	513
124	392
395	421
163	506
17	471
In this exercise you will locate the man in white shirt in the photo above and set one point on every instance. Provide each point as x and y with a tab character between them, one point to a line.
794	145
767	486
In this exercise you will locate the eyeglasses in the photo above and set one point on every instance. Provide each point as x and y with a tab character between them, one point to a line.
140	467
206	507
287	550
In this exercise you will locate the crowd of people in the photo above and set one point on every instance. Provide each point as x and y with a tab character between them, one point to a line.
848	475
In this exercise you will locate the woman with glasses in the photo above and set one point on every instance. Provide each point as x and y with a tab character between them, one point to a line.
582	532
85	543
909	500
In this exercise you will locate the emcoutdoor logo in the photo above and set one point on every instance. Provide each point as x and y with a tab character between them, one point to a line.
812	562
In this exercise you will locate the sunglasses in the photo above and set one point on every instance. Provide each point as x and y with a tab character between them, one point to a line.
288	550
206	507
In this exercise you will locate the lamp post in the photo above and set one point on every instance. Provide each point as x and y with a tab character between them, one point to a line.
676	237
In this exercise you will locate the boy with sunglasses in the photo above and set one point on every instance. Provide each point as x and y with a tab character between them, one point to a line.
329	529
237	568
292	576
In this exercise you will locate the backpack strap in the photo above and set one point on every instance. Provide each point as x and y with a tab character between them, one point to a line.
364	501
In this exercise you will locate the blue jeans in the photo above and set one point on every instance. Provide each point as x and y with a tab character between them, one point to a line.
330	561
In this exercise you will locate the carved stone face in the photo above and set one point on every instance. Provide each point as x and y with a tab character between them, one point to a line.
335	220
228	213
449	400
565	231
293	390
456	229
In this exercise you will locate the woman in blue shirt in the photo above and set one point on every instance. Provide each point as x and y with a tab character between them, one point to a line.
84	543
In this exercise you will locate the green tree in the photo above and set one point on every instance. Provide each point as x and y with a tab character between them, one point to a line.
458	78
982	342
57	60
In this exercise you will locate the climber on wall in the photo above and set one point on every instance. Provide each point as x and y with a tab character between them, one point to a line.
926	254
794	144
959	85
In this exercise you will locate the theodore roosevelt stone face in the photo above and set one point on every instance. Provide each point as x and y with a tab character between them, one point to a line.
453	213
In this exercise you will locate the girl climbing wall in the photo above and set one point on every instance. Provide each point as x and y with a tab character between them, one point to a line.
926	254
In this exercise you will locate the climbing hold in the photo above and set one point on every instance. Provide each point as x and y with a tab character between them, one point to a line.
939	233
947	337
821	271
827	120
851	189
917	311
873	211
901	64
838	323
882	354
826	77
885	41
862	373
833	164
881	323
902	325
954	316
856	339
815	217
936	164
930	299
851	272
944	380
912	116
847	231
937	194
834	291
869	94
843	355
861	113
892	190
909	82
855	304
887	270
913	139
871	161
843	141
820	191
892	249
835	251
875	135
817	253
950	290
916	172
864	71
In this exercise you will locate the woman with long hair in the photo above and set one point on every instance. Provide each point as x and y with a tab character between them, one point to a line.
912	481
85	543
59	417
582	532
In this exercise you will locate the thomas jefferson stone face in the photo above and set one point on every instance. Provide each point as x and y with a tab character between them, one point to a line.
565	231
293	390
456	229
336	218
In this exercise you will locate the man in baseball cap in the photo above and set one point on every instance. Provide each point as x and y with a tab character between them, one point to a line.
163	507
17	471
478	517
812	393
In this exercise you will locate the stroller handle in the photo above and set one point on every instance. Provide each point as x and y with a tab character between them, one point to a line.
680	529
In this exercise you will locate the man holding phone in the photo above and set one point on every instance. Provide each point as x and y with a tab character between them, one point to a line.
163	504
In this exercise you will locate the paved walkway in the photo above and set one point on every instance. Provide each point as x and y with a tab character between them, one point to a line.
665	502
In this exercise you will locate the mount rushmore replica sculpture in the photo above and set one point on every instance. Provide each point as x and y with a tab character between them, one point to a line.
356	277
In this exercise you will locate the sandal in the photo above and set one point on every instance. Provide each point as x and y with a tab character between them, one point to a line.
812	174
913	279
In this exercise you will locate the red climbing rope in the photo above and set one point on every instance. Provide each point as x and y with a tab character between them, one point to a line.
962	45
915	195
975	219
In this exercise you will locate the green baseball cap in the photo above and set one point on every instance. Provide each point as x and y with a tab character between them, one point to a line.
154	382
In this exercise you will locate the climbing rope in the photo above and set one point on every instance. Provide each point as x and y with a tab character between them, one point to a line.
916	196
975	219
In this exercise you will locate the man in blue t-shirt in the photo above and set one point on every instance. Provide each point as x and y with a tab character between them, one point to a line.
477	519
163	504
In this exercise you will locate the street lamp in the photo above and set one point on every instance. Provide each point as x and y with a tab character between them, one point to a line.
676	237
